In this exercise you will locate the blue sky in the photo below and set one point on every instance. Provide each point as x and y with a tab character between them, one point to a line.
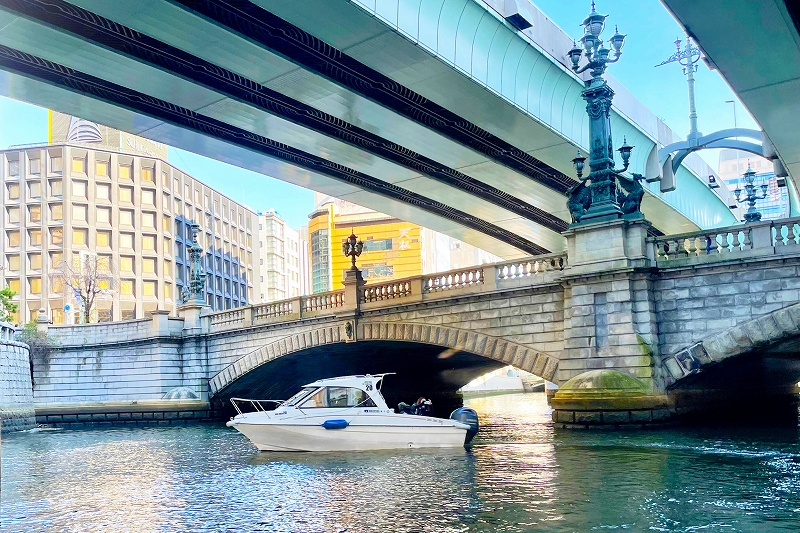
650	32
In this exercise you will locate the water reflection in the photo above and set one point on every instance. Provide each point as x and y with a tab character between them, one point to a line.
521	475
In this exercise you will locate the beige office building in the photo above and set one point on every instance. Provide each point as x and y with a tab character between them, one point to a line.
63	201
283	259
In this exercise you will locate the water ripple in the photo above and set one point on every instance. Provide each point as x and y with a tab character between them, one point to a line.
521	475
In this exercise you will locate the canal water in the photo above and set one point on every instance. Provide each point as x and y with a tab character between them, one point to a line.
521	475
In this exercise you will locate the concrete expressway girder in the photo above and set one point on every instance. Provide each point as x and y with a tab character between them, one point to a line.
755	45
327	96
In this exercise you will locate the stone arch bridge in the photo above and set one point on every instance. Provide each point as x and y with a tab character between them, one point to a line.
691	319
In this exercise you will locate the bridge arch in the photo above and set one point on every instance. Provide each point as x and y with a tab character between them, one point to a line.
445	349
763	354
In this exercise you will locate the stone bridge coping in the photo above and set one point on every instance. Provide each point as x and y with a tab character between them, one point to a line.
738	340
511	353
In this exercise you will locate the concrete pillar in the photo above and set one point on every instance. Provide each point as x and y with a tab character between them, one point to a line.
160	322
353	283
607	373
42	322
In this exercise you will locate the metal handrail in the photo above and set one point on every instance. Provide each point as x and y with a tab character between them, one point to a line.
254	403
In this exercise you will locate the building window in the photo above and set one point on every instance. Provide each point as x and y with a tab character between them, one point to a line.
177	208
35	285
104	265
103	191
104	215
35	261
148	265
34	189
13	262
79	165
176	186
126	287
128	314
56	236
126	264
148	243
126	241
55	259
149	288
79	213
104	239
56	164
198	197
168	246
147	174
165	180
187	194
78	189
35	166
148	197
13	215
168	291
56	188
56	212
13	191
126	194
35	237
149	220
101	168
79	236
13	284
35	213
126	217
166	223
377	245
125	172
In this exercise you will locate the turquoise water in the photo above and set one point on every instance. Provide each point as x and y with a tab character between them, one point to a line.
521	475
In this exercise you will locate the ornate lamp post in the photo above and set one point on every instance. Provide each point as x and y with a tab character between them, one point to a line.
194	291
352	248
600	200
751	195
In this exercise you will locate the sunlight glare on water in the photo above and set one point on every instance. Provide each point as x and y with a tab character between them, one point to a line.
520	475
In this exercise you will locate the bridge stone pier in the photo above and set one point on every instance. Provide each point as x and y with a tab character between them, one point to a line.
635	330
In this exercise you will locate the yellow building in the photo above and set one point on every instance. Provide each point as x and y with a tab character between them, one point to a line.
393	249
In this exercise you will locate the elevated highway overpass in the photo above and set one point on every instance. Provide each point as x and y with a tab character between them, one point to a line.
435	111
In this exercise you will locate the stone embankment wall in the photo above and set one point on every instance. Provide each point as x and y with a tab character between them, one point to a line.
16	391
119	362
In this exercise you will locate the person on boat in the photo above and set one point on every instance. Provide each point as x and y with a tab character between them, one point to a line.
422	407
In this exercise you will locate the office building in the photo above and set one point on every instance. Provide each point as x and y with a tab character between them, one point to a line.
393	248
99	191
283	259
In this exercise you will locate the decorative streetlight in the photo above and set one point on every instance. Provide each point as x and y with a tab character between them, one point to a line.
600	200
352	248
194	291
752	195
687	58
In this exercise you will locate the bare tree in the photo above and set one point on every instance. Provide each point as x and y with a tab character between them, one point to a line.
89	278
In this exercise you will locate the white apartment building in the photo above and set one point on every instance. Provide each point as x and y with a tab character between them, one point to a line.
59	201
283	259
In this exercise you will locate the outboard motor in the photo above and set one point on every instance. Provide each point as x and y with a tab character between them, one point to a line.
467	416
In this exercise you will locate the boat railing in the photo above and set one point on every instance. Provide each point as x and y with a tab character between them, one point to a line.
256	404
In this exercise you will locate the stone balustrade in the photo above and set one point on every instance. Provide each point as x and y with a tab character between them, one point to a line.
773	237
509	274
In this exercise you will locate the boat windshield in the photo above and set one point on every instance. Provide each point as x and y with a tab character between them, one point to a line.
300	395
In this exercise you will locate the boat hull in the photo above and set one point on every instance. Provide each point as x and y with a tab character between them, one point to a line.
315	438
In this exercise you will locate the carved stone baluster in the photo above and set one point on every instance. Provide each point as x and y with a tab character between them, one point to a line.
736	244
692	251
748	244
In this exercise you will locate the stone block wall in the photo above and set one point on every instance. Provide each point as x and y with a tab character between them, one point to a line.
693	302
533	317
16	391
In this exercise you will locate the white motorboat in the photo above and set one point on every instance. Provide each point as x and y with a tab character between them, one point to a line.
346	413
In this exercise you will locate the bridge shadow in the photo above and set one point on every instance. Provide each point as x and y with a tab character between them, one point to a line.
421	370
756	387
